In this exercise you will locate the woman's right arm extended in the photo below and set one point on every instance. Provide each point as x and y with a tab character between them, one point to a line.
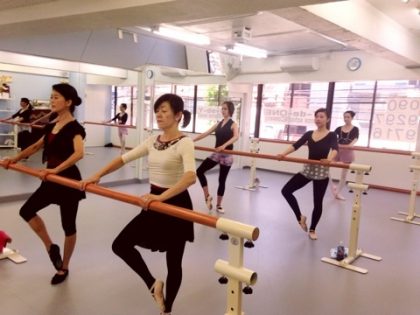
109	168
206	133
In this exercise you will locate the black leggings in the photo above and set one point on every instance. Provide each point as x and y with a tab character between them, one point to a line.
223	173
68	210
124	247
319	188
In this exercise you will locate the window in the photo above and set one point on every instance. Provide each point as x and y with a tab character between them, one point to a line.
288	109
358	97
208	112
396	115
127	95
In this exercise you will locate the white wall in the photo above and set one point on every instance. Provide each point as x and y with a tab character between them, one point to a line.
332	67
97	108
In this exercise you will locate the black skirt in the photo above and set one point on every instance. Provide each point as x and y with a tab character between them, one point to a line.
59	194
160	232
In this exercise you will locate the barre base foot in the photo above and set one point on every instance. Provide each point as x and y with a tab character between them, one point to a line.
343	264
347	262
13	255
251	188
408	219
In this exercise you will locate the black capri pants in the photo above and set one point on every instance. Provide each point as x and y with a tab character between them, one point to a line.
68	211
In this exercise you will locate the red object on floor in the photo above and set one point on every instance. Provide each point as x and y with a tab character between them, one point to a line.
4	239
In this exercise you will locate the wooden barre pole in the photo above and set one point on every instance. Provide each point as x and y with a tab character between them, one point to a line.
10	122
108	124
275	157
247	231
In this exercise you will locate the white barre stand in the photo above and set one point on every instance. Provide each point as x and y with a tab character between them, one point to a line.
13	255
411	214
254	182
358	187
233	269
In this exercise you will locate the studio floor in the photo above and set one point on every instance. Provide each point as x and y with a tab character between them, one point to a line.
292	279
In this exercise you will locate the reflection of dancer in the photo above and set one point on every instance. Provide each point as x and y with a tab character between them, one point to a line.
226	133
322	145
63	147
171	172
121	119
23	115
347	137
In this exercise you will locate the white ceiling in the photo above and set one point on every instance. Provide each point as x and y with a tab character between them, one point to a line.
219	19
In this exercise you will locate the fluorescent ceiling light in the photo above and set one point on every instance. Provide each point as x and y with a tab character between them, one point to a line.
246	50
182	35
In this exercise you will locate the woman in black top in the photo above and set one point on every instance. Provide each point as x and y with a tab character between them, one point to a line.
322	145
63	147
347	137
227	132
23	115
121	119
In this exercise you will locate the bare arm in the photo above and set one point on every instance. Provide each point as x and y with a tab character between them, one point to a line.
206	133
332	155
286	152
32	149
109	168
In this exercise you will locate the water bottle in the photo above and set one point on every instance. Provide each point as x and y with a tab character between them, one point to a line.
341	251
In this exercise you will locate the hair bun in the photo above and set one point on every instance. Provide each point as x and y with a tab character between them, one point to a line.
77	101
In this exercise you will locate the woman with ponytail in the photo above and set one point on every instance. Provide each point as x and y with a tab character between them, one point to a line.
171	171
227	133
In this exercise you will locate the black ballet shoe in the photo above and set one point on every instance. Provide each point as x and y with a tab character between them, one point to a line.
55	256
58	278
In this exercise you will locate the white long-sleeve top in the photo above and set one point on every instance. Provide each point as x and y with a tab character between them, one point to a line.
166	165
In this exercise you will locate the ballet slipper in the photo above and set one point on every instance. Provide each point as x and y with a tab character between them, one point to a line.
157	293
312	235
302	223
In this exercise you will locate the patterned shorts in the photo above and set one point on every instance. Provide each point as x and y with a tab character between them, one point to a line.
315	172
222	158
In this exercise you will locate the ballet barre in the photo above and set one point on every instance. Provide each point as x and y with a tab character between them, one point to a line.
233	268
352	166
411	214
108	124
357	187
16	123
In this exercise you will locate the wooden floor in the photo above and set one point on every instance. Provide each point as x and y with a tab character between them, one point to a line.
292	280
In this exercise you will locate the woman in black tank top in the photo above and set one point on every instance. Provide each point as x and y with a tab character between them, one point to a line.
227	132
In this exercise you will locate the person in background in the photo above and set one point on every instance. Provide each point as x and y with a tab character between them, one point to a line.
121	119
322	146
23	115
63	147
227	133
171	171
347	137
